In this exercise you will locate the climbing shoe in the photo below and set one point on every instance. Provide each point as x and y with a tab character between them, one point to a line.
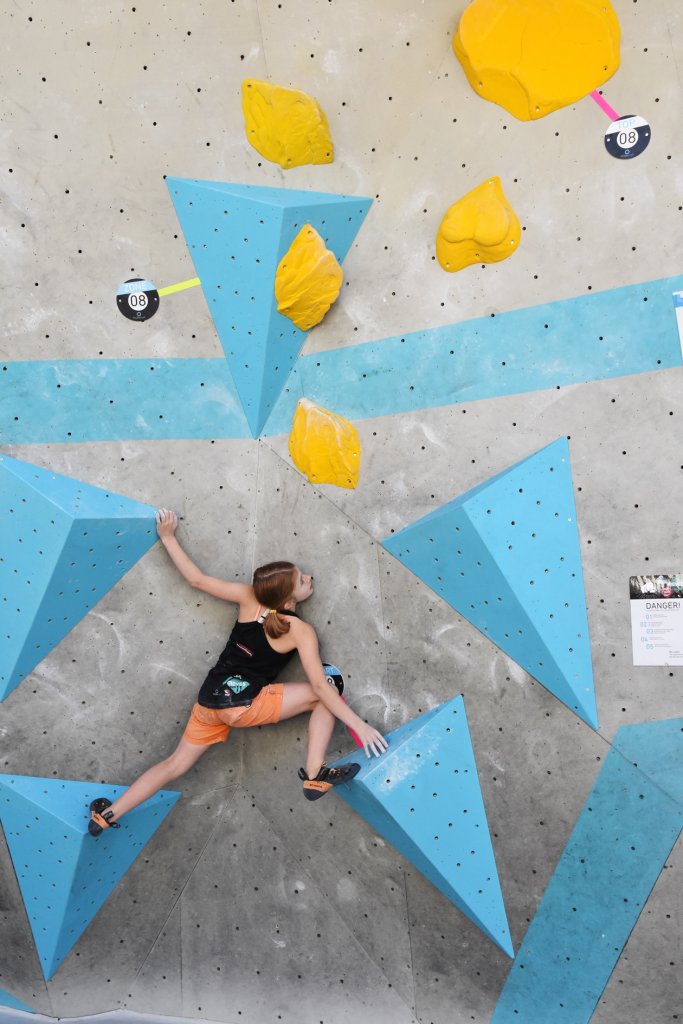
326	779
100	817
334	677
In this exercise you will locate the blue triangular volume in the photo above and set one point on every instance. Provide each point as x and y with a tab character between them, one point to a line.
10	1002
506	556
65	875
423	796
63	545
237	235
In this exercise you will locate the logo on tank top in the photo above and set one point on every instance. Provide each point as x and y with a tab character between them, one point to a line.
235	683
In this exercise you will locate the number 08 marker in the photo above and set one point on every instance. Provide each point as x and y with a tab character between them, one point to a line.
627	137
137	299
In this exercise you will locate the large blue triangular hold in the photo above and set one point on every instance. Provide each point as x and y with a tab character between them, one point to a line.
237	235
63	545
423	796
506	556
65	875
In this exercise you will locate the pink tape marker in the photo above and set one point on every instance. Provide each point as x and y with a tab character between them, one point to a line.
604	105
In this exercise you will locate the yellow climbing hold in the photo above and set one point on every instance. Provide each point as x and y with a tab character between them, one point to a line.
534	56
285	125
308	279
481	227
324	446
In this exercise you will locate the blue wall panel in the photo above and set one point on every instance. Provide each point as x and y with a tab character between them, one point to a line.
592	337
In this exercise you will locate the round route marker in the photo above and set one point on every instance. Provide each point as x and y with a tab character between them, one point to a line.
627	137
137	299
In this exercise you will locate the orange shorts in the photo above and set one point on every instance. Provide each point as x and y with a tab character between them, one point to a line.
207	725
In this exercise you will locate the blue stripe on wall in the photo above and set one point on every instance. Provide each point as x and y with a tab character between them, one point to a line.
118	400
619	845
607	334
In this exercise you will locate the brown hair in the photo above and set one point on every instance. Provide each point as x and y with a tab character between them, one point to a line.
273	586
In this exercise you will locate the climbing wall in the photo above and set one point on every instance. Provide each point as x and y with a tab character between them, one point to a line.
458	385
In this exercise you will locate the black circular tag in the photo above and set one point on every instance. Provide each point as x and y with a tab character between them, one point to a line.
627	137
334	676
137	299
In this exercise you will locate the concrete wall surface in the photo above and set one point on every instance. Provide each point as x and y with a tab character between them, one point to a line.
250	904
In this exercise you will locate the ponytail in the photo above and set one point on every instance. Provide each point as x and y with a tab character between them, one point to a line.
273	586
275	625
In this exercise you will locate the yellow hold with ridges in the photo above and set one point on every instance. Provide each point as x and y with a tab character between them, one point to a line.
481	227
325	447
308	279
285	126
534	56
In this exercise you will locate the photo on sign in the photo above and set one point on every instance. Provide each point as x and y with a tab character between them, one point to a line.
642	587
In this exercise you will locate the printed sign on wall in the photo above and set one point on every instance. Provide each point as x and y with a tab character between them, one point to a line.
657	619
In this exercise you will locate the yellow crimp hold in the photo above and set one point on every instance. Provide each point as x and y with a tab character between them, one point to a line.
324	447
481	227
534	56
285	125
308	279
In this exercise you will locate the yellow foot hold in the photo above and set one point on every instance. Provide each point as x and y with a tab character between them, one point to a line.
534	56
308	280
324	447
481	227
285	125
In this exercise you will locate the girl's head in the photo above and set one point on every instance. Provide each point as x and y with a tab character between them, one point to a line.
275	585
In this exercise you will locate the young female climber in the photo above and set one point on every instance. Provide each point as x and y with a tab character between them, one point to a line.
240	691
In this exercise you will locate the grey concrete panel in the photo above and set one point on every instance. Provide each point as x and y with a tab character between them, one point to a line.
111	1017
141	95
262	942
158	985
458	971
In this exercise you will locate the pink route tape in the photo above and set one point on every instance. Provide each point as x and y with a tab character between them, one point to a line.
353	734
604	105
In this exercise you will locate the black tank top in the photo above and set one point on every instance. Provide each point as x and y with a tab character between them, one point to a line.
247	664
